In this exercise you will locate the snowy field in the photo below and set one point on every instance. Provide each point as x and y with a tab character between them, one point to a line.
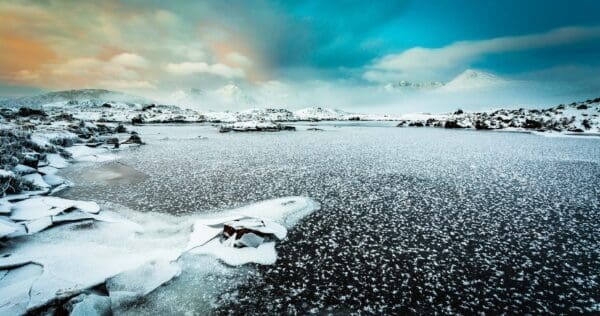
411	220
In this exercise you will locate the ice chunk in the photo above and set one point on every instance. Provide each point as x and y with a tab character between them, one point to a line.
88	207
250	240
47	170
263	254
37	180
37	225
7	227
5	207
53	180
23	169
38	207
56	161
73	216
15	287
130	286
262	226
201	234
89	305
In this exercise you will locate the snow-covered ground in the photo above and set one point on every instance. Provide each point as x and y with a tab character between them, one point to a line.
576	118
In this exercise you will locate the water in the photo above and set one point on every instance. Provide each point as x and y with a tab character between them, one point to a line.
412	220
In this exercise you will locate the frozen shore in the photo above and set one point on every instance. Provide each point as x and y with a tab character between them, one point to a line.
80	257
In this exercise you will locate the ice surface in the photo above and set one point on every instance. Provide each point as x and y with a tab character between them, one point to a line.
38	207
90	305
56	161
135	258
428	220
15	286
39	224
129	286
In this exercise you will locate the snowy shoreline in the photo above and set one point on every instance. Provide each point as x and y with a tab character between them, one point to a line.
79	257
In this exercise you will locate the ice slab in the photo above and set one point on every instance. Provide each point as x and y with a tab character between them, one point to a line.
129	286
53	180
270	217
47	170
5	207
263	254
23	169
36	179
90	305
56	161
15	287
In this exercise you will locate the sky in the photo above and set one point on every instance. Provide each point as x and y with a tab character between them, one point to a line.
348	54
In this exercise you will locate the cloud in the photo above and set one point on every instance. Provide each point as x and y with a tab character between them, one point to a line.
130	60
239	59
425	63
188	68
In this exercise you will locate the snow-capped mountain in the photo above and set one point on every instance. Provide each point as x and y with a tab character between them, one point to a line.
91	96
471	80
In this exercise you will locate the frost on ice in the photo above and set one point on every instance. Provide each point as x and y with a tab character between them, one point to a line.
91	246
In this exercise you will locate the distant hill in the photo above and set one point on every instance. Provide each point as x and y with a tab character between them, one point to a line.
99	95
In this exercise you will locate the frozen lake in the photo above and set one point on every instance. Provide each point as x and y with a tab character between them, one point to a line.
412	220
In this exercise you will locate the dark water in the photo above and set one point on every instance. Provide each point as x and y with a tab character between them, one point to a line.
412	220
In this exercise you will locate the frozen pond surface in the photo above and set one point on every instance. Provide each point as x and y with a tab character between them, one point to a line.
412	220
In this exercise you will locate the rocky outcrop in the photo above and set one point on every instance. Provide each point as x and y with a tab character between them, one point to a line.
575	118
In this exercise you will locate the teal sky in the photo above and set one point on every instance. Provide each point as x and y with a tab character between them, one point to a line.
157	47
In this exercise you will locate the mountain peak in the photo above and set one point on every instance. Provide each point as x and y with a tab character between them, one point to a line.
472	79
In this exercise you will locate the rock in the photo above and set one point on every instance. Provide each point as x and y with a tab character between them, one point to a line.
31	112
113	141
533	124
451	124
481	125
120	129
133	139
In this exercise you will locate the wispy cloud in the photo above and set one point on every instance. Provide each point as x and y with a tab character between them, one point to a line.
430	63
188	68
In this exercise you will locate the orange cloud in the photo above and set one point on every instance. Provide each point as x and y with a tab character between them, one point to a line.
20	53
